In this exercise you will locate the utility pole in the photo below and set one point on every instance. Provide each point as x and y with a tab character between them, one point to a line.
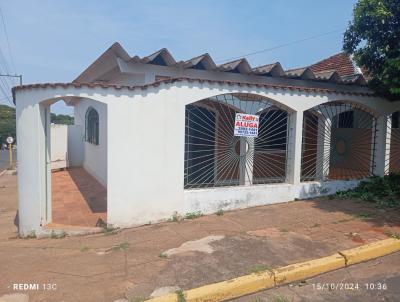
10	140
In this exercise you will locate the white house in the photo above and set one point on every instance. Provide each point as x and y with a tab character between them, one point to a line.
163	136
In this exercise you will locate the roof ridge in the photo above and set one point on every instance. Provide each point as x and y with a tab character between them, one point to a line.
181	79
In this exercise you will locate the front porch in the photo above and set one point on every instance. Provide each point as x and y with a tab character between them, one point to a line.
78	199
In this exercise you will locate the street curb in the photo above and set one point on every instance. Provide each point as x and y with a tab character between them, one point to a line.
303	270
371	251
255	282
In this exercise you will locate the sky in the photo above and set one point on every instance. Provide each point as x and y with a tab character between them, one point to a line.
54	41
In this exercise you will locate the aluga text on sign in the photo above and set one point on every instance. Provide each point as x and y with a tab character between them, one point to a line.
246	125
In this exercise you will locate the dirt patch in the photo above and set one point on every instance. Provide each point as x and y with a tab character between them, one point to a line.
268	232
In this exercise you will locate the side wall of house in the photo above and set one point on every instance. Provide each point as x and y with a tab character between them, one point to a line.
66	146
95	156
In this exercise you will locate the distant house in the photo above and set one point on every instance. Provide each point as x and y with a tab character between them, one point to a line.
163	135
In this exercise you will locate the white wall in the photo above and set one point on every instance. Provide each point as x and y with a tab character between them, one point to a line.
146	155
141	152
95	156
228	198
59	146
66	146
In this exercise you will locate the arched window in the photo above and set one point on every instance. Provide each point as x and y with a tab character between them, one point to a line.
92	126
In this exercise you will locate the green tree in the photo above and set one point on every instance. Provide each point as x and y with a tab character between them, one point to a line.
7	122
373	37
61	119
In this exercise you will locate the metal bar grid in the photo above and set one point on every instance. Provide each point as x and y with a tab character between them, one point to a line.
393	143
338	142
214	157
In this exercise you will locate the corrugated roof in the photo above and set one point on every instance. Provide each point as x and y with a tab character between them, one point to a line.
203	61
274	69
323	70
241	66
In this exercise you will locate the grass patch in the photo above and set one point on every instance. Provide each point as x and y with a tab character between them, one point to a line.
163	255
31	235
193	215
259	268
365	215
60	235
121	247
84	248
382	191
282	299
391	234
180	296
110	230
283	230
316	225
345	220
175	217
220	212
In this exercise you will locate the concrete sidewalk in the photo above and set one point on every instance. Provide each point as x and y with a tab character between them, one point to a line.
135	263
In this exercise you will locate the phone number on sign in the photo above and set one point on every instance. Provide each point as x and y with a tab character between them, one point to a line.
349	286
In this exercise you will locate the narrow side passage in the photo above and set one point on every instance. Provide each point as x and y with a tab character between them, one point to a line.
78	198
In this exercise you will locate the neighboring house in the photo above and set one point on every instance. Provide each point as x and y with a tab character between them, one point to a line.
165	136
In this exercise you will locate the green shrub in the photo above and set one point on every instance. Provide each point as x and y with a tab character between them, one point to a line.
193	215
383	191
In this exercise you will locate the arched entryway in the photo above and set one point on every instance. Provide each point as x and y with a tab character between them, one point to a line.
338	142
76	165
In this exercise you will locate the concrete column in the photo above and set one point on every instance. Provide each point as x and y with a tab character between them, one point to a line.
246	161
47	209
323	147
32	174
295	147
382	145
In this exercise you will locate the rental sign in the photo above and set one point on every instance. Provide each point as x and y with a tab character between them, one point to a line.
246	125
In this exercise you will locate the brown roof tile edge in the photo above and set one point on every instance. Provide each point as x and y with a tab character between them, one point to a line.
190	80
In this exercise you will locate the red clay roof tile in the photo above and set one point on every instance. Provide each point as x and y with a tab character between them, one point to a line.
340	62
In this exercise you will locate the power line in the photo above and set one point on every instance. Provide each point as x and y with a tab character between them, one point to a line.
6	97
281	45
5	84
8	41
